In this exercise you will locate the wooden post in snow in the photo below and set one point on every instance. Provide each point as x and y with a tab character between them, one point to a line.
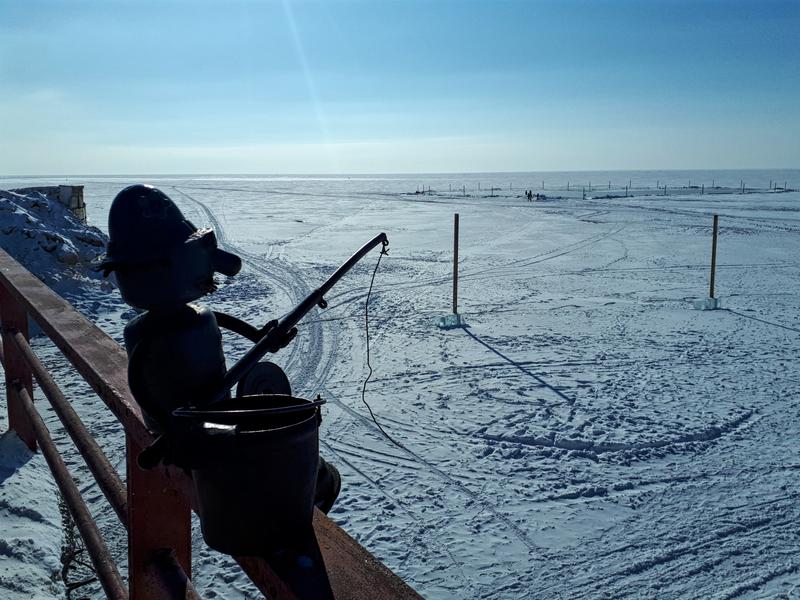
713	257
455	264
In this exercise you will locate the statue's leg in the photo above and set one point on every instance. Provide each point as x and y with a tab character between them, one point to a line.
329	482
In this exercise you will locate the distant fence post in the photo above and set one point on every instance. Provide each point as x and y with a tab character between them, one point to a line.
14	318
455	264
713	257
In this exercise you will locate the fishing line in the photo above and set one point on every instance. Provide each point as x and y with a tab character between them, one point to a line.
369	366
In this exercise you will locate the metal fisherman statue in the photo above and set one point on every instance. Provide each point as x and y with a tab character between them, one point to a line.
163	263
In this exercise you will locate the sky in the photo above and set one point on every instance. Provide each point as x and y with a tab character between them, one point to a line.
335	86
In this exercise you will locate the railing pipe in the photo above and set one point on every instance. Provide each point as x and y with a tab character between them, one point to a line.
106	475
104	566
98	358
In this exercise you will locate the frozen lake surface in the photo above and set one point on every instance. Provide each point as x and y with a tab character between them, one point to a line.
588	435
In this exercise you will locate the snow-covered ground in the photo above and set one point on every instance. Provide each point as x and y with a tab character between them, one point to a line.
588	435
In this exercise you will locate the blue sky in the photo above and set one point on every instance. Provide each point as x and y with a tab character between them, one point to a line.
405	86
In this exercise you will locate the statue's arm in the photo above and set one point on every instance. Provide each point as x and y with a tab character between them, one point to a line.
246	330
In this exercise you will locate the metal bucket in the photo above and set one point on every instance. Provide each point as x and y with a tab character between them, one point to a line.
255	471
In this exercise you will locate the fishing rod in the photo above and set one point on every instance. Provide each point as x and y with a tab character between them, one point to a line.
277	335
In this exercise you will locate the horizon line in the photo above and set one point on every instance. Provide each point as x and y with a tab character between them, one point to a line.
389	173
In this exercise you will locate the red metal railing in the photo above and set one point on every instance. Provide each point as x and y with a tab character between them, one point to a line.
155	505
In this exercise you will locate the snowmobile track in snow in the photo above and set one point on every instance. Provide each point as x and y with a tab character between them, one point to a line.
337	300
452	482
311	346
401	505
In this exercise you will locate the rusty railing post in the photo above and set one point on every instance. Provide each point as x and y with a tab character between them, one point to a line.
159	517
14	318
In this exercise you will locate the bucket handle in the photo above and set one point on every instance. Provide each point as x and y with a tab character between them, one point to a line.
156	452
186	412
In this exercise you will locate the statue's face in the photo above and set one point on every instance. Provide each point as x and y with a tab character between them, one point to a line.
184	275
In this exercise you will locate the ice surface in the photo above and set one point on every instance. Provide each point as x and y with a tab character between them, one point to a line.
589	435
